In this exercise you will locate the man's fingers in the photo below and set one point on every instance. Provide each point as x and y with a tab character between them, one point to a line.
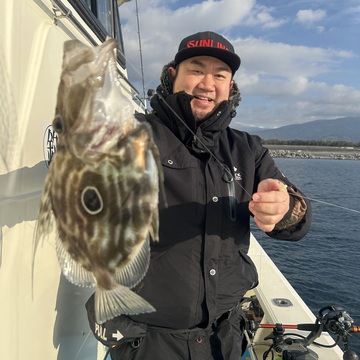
270	197
262	226
269	204
270	185
266	208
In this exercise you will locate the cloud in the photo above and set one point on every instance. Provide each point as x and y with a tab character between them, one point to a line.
310	16
276	78
282	79
164	27
261	16
318	100
161	19
278	59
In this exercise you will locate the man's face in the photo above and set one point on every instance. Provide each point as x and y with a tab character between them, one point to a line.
207	78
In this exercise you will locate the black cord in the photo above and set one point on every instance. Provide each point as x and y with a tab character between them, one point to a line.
314	342
267	352
294	334
328	346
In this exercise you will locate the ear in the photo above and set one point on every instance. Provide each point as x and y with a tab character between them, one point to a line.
172	72
231	84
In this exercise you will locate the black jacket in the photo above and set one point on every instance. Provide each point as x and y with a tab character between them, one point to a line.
200	268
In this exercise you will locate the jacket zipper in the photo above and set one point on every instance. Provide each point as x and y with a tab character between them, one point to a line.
229	179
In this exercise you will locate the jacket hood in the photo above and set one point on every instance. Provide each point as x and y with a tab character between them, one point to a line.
174	110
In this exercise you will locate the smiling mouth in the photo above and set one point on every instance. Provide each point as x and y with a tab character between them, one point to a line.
203	98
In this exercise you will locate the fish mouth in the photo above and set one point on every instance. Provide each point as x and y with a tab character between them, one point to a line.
109	45
103	54
104	113
101	76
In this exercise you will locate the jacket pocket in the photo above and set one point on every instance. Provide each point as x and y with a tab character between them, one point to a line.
250	270
237	275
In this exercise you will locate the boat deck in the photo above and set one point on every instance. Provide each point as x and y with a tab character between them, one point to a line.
273	285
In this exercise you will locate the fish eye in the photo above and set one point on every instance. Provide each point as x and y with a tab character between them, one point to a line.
91	200
58	124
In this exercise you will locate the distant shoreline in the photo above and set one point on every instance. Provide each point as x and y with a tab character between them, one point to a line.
313	152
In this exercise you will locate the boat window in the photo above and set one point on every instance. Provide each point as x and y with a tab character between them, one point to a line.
102	16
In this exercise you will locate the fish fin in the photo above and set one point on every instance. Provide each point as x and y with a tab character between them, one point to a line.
43	224
133	272
154	227
118	301
72	270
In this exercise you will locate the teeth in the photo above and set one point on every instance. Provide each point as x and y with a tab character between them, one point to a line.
203	98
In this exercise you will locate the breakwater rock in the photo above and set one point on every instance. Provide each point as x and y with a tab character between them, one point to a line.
313	152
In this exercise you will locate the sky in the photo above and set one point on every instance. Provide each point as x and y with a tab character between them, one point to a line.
300	60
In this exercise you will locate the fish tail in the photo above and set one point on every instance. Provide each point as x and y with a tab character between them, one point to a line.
118	301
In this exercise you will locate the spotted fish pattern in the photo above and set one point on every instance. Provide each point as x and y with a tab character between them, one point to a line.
101	191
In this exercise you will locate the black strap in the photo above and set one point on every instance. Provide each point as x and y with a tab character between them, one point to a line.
163	330
115	331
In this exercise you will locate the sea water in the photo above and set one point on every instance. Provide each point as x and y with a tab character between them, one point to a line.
324	266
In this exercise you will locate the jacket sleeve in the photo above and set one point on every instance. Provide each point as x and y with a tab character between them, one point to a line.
296	223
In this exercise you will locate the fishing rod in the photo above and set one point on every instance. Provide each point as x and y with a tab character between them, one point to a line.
140	51
332	319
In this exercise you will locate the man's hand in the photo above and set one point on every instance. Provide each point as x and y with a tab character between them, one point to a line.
269	204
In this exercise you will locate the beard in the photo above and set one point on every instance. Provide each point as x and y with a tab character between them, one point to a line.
202	114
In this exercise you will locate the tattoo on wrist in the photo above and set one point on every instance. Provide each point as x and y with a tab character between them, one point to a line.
298	211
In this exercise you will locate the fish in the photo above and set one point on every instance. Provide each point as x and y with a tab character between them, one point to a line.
102	188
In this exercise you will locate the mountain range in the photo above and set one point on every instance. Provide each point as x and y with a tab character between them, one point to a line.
341	129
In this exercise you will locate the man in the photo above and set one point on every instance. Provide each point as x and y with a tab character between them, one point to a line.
215	179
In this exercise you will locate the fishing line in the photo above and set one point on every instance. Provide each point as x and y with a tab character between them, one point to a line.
82	345
330	204
223	166
227	170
